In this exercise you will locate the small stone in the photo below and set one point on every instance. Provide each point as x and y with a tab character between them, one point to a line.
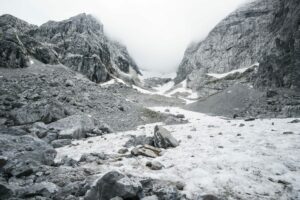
288	133
123	151
61	143
155	149
209	197
155	165
181	116
238	134
194	129
3	161
116	198
189	137
220	147
167	110
220	133
153	197
249	119
90	141
295	121
39	173
69	83
241	125
180	185
49	156
99	162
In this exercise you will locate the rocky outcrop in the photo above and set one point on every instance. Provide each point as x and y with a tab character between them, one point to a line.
261	37
79	43
254	33
16	45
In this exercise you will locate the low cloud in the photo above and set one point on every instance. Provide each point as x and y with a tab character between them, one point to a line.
156	32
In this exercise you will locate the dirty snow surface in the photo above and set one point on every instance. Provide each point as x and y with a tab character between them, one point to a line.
235	159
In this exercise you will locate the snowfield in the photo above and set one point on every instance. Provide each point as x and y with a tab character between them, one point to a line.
241	70
228	158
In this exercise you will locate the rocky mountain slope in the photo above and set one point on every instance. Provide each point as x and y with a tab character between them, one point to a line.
47	106
79	43
262	37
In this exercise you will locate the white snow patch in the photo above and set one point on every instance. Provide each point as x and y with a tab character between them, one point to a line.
223	75
113	81
162	89
141	90
215	160
151	74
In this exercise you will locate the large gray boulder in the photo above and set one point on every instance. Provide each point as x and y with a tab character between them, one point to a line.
41	111
163	138
114	184
45	189
5	190
73	127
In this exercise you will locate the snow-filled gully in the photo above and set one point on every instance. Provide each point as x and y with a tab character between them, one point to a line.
233	158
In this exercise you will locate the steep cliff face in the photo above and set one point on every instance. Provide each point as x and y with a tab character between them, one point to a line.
79	43
16	45
280	65
256	47
263	31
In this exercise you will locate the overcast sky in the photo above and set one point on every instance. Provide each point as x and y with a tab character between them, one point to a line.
156	32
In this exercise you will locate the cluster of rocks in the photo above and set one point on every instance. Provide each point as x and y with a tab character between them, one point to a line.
117	186
48	93
28	171
151	146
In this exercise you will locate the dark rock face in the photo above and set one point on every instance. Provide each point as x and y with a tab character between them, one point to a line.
264	31
262	36
17	45
78	43
279	66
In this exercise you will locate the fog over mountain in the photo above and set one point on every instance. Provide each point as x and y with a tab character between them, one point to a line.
155	32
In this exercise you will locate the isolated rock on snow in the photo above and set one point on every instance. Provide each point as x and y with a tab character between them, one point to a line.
161	189
146	150
154	165
138	140
163	138
114	184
